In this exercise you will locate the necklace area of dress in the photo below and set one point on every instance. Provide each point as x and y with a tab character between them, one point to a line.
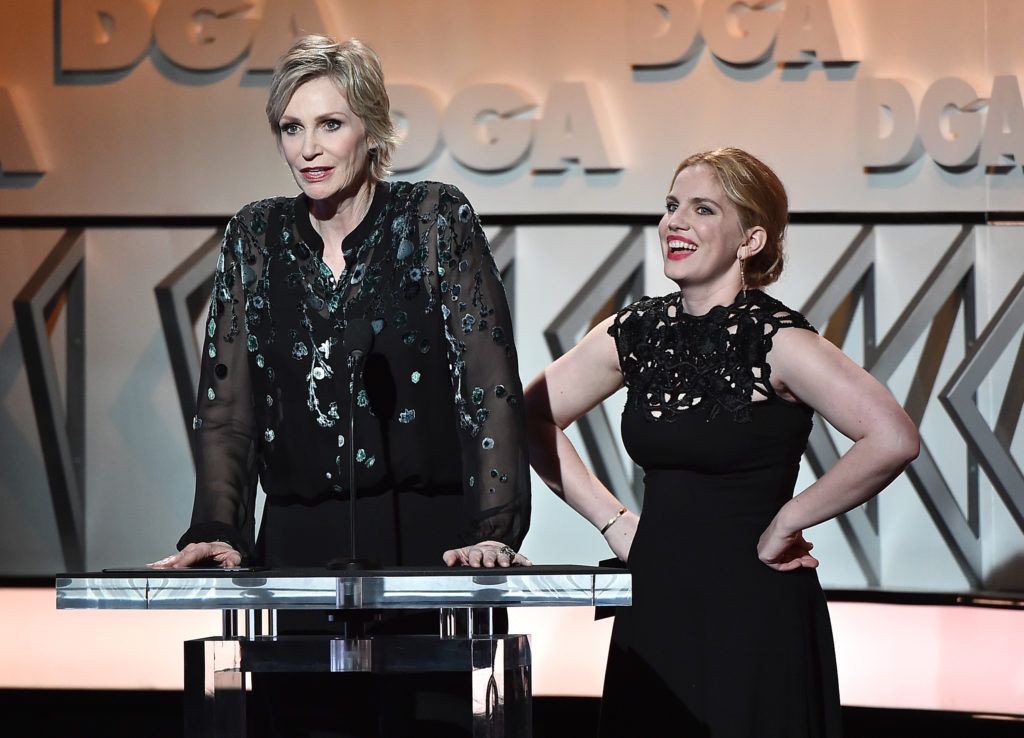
318	226
335	303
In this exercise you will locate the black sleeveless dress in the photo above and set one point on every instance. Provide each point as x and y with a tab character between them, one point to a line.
715	643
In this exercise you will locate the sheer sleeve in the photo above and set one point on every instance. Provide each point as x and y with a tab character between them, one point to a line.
487	390
224	425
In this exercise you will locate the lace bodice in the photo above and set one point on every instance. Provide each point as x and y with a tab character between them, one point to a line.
673	362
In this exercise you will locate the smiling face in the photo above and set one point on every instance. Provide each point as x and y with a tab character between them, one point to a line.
700	233
323	141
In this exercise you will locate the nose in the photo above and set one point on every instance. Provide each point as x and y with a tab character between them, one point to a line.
310	146
677	222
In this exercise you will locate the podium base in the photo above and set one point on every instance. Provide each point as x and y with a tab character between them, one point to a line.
218	671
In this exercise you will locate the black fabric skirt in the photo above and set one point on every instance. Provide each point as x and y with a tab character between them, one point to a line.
392	529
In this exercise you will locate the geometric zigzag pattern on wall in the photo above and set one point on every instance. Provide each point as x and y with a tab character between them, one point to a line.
991	446
931	313
934	308
615	283
58	287
181	297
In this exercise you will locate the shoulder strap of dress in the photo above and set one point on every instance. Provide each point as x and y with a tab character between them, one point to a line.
775	313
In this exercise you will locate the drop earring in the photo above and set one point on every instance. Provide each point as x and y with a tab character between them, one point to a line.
743	277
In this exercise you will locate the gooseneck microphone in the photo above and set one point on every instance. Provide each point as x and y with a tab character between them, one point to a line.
358	342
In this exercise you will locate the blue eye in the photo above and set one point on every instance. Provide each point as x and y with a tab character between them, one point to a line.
704	210
290	129
332	125
671	206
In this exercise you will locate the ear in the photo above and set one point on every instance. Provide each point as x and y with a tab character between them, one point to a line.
757	237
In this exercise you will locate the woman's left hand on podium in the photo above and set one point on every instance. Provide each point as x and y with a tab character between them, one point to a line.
487	554
217	552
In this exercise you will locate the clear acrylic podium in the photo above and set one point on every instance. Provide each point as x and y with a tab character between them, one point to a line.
217	668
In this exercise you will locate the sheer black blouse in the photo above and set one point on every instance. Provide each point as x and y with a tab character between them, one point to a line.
439	410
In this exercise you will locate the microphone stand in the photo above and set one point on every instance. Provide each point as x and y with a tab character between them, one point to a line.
352	563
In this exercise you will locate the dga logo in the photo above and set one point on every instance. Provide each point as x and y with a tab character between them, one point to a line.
487	127
496	127
197	35
956	126
738	32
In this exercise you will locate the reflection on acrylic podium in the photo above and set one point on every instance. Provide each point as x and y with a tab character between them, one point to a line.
217	668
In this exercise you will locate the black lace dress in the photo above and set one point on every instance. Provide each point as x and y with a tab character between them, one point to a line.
715	643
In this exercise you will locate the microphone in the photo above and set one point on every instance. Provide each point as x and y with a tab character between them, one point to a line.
359	341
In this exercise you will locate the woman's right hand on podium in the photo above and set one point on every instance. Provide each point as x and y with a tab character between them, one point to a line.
218	552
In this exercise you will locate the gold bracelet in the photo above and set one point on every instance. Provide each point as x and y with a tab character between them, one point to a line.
616	516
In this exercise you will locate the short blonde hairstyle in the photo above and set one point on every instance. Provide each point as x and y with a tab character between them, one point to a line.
356	69
760	199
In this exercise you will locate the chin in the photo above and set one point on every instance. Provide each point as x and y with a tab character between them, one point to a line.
318	190
671	270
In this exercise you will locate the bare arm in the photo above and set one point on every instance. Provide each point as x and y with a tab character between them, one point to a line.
809	368
564	391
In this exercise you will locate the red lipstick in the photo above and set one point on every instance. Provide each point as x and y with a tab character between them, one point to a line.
679	247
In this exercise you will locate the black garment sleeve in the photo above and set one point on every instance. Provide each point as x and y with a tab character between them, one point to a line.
224	425
484	372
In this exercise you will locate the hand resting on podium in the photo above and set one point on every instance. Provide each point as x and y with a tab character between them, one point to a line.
218	552
487	554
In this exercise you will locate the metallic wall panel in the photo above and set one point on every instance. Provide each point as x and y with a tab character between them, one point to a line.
60	424
615	283
179	299
992	446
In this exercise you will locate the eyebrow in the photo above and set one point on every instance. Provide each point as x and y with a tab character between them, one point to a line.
694	200
318	119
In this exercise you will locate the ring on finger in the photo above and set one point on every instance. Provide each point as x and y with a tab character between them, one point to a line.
507	550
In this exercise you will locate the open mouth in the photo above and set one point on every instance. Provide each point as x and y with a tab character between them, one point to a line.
680	249
315	174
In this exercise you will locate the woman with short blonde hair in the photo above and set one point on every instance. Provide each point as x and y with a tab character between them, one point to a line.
401	272
356	70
